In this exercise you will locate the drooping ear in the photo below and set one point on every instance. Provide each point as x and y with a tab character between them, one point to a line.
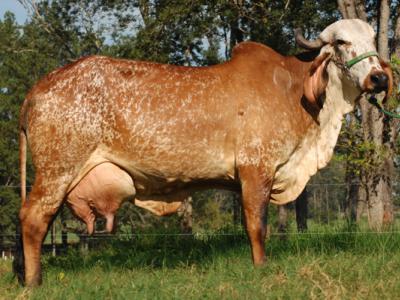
316	80
388	70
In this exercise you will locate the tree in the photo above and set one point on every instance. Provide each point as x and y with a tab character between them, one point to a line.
13	84
181	32
378	130
27	53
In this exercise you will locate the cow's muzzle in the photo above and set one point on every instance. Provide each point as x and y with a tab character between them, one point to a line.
376	82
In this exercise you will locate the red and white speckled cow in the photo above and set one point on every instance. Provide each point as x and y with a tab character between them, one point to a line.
262	123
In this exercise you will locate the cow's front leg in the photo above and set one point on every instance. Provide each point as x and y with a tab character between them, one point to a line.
256	188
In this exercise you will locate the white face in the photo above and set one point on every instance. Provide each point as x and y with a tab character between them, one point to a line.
349	39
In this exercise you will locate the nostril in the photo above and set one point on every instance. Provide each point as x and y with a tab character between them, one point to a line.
379	81
375	79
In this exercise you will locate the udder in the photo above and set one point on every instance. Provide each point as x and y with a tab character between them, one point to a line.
100	193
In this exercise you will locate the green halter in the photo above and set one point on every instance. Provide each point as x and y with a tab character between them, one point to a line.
359	58
372	100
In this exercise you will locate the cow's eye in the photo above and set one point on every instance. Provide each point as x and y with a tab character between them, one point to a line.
341	42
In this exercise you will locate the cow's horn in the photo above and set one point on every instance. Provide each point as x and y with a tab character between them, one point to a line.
303	43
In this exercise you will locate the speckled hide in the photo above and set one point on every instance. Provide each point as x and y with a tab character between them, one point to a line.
260	123
168	126
101	193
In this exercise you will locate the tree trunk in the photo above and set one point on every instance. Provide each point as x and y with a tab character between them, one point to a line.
362	198
383	38
53	238
342	9
144	9
351	8
351	137
236	209
396	40
372	123
388	173
1	241
282	218
83	244
377	178
302	211
64	231
236	35
348	8
352	195
360	9
187	216
391	131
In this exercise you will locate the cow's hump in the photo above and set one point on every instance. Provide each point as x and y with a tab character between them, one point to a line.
253	50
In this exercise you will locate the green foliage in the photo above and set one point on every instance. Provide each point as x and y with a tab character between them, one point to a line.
27	53
273	22
12	91
212	210
182	32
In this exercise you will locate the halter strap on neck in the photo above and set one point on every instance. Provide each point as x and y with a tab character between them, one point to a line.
359	58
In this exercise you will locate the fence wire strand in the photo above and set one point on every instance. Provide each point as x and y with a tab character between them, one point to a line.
100	236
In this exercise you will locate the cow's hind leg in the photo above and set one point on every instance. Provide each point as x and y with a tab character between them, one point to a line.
35	216
256	187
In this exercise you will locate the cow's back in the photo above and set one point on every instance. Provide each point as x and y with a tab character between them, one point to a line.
156	121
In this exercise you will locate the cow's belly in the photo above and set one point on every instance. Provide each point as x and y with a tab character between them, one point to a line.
166	174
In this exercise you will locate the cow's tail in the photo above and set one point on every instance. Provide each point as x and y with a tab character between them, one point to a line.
19	260
22	163
22	151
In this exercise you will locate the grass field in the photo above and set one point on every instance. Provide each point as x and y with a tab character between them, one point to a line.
323	265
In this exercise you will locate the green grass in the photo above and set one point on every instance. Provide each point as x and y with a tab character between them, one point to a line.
324	265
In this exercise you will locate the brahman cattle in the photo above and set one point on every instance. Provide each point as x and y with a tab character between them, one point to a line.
261	123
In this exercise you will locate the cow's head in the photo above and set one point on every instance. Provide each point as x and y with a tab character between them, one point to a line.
350	46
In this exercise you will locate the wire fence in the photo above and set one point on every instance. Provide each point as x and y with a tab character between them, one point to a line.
326	206
195	234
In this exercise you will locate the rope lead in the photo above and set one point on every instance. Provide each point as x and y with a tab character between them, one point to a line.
375	102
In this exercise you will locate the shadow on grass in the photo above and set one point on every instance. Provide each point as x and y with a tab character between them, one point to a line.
155	251
170	251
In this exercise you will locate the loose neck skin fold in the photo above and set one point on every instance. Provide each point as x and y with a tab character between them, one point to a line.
316	148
